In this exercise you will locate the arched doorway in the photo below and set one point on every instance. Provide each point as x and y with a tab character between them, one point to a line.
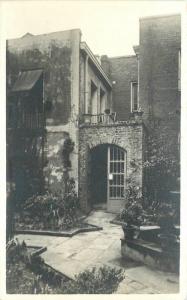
108	177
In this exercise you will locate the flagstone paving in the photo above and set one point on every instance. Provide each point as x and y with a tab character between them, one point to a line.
86	250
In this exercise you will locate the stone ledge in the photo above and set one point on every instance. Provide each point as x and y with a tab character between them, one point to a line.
60	233
142	227
151	254
38	251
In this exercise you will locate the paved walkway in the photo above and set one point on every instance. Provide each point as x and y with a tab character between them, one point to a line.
85	250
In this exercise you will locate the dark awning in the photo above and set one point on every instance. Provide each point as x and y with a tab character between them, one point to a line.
26	80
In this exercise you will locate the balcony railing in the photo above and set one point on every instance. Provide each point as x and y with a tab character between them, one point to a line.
99	118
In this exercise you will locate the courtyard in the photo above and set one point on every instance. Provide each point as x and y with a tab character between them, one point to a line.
93	162
72	255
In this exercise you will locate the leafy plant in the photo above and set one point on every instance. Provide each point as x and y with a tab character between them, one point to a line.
28	274
132	214
105	280
67	148
16	251
162	163
166	217
52	210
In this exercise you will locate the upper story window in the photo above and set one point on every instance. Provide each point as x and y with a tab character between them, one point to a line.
179	70
134	96
26	109
102	101
94	94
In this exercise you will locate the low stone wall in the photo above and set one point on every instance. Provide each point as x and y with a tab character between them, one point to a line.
152	256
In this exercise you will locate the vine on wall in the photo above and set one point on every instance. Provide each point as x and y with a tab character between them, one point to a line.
162	166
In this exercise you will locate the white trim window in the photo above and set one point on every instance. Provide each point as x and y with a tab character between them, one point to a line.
134	96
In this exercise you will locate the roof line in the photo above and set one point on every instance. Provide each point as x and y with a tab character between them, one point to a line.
32	35
84	47
124	56
159	16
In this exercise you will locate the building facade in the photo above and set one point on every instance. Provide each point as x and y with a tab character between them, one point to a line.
72	114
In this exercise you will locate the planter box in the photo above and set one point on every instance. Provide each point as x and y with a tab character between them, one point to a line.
151	254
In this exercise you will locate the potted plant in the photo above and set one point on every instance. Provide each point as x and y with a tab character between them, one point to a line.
107	111
137	114
132	214
87	118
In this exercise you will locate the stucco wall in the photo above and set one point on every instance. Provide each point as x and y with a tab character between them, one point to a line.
58	55
55	53
128	136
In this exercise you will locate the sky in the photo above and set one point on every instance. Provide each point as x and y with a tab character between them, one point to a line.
108	27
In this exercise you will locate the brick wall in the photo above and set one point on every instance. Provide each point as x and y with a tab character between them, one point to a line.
128	136
160	41
122	70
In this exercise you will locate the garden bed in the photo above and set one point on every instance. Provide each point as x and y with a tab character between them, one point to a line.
33	276
55	214
27	273
83	227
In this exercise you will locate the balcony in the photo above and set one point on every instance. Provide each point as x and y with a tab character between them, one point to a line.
102	118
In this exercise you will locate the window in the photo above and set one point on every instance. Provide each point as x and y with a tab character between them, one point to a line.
93	98
134	96
179	70
102	101
117	172
28	94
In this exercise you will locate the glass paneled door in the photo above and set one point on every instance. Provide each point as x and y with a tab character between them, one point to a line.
116	178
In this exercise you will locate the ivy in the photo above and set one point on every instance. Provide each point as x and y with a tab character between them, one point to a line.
162	164
67	148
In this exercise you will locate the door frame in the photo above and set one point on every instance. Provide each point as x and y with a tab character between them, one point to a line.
116	203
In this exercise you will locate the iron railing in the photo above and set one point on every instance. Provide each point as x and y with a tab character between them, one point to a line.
99	118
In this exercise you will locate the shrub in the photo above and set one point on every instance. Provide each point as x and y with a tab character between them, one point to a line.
52	210
105	280
133	211
28	274
162	164
166	217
